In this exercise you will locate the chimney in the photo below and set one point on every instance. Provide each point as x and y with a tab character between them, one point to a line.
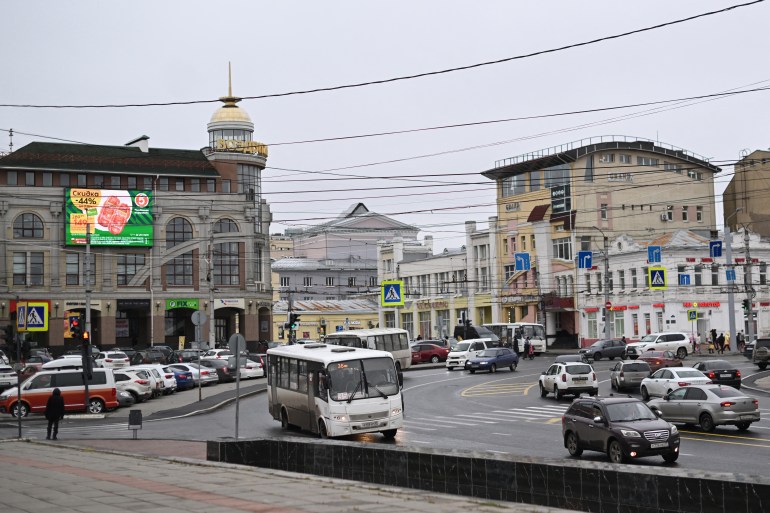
141	142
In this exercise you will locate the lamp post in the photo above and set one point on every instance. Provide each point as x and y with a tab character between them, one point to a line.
730	294
606	285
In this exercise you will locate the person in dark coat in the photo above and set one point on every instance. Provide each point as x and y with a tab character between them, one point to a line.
516	342
721	343
54	412
526	347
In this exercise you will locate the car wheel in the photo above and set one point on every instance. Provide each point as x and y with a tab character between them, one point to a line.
513	366
614	385
543	391
597	357
285	420
743	426
493	368
390	433
615	452
434	359
572	445
707	423
612	357
472	371
135	396
645	394
623	356
594	392
556	392
451	368
671	457
681	353
18	410
95	406
322	433
762	365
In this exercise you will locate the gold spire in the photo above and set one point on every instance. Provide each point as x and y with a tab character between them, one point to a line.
229	100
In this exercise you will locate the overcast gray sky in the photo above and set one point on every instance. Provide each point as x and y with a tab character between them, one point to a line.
91	52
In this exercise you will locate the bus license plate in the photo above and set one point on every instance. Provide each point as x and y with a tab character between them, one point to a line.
369	424
659	445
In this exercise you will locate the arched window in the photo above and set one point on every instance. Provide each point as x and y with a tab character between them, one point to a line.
227	267
28	226
225	226
179	271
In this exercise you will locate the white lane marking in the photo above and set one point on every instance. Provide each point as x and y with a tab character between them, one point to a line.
535	414
497	452
432	422
441	419
503	434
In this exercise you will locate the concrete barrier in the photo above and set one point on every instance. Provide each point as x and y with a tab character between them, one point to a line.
570	484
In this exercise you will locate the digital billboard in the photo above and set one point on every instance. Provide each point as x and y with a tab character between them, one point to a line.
113	217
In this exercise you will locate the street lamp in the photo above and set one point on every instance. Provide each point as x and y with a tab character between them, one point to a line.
606	283
730	295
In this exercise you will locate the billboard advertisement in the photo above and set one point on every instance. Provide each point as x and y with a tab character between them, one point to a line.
113	217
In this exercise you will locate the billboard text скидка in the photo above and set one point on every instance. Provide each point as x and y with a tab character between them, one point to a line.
113	217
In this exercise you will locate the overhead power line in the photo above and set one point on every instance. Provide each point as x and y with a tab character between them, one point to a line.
400	78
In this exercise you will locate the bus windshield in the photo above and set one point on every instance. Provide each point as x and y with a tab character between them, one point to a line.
359	379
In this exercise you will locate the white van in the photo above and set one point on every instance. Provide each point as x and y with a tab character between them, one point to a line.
505	331
460	352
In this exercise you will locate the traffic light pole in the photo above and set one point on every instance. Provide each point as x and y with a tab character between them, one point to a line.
749	291
730	294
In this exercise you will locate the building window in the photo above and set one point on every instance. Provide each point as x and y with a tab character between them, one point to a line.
226	225
115	182
307	281
592	325
64	180
73	268
163	184
608	158
695	175
523	242
534	181
562	248
47	179
510	270
28	269
505	246
685	214
634	284
513	185
373	281
131	183
698	275
588	283
699	214
676	168
532	242
285	281
179	271
128	266
195	184
622	279
179	184
148	183
585	243
589	176
715	274
330	281
211	185
646	161
604	211
12	178
226	186
98	181
599	283
611	280
178	230
30	179
670	212
680	270
620	323
556	175
27	226
407	323
646	272
82	181
763	273
351	281
227	268
624	159
635	322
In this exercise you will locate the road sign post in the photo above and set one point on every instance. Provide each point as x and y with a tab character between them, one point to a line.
237	344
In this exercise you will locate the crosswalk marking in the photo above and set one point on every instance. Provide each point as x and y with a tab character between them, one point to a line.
542	414
497	388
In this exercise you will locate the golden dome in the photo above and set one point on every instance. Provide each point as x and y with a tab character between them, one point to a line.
230	112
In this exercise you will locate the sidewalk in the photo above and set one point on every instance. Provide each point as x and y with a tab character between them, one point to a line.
140	475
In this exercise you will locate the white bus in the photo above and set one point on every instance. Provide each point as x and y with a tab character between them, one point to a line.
506	331
393	340
333	390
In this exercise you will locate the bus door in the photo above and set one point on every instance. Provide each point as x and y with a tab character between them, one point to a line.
317	398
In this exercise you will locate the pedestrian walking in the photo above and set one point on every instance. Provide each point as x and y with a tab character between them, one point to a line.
721	343
711	345
714	336
741	340
54	412
531	353
727	342
699	343
526	347
516	343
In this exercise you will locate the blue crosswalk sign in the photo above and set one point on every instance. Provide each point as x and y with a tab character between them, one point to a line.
657	277
684	279
715	248
522	261
585	259
653	254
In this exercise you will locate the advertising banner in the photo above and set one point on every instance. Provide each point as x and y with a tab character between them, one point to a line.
113	217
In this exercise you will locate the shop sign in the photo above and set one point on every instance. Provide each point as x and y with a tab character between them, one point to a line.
229	303
172	304
133	304
701	304
633	307
659	305
76	304
591	309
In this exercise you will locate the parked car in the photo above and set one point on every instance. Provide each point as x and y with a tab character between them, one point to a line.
206	375
492	359
568	379
425	352
665	381
708	406
628	374
125	399
224	369
251	369
761	353
612	348
130	351
720	372
169	353
190	355
158	380
677	342
748	350
8	377
135	382
148	356
660	359
111	360
4	358
218	354
184	378
461	351
622	427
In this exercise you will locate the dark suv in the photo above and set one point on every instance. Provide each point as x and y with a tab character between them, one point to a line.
624	428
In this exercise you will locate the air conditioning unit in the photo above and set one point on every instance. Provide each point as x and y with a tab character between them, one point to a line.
664	217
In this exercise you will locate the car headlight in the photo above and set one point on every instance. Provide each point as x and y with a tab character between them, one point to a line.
395	411
483	363
3	397
674	430
340	418
630	433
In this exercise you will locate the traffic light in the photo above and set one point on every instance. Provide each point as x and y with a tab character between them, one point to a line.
76	330
745	305
293	321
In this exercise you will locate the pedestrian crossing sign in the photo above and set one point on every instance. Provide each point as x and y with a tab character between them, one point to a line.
32	316
657	278
391	293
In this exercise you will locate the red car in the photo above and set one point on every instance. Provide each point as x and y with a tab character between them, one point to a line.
658	359
429	353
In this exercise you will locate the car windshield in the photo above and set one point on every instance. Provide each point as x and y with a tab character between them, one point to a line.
689	374
629	412
359	379
600	343
654	354
578	369
636	367
489	353
726	392
648	339
461	346
719	364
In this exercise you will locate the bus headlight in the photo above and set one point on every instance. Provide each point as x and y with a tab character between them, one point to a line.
395	412
340	418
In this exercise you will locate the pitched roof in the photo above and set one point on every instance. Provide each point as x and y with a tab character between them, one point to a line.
109	159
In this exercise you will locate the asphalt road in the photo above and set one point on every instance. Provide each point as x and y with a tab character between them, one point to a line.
495	413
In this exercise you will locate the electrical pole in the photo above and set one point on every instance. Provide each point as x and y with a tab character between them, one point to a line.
730	293
749	290
606	286
212	333
88	278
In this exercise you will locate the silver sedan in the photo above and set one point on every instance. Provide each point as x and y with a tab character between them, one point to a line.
206	376
708	406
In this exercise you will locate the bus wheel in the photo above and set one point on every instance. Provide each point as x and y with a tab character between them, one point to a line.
284	420
322	430
390	433
398	367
